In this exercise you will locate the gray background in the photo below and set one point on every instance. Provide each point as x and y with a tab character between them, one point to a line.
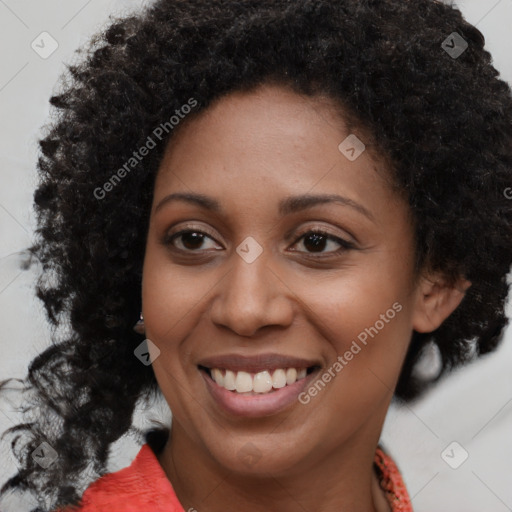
472	407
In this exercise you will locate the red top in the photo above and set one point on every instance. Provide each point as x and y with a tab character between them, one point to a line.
144	487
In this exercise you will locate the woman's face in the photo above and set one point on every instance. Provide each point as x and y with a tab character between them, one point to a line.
244	289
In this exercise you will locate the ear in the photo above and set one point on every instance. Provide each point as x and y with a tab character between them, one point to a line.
435	301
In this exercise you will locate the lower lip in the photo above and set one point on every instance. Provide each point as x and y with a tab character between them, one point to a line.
264	404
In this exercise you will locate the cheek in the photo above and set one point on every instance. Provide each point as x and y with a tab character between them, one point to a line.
171	296
347	305
366	320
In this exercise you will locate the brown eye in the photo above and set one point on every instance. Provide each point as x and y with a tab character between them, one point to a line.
315	241
189	240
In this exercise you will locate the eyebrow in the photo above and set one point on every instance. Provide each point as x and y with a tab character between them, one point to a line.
286	206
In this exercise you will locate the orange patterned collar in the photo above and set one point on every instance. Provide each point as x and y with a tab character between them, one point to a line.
391	481
144	487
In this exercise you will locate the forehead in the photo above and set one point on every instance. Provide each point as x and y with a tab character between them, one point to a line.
261	145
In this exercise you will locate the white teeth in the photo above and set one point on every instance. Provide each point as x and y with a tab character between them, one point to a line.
279	379
229	381
218	377
261	382
291	376
243	382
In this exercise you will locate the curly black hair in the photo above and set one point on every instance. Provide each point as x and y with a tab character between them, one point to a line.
443	120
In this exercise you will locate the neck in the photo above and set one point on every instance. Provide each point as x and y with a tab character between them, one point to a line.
343	480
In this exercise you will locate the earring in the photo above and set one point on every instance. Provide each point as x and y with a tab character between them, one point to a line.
139	326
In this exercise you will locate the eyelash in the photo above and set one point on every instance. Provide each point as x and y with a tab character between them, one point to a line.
345	244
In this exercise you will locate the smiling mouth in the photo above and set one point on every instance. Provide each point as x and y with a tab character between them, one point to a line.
262	382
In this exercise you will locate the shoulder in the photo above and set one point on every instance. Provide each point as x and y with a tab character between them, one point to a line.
141	487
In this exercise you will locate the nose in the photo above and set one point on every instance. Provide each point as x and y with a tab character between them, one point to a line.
251	296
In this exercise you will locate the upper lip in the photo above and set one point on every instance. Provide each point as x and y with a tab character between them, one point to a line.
257	363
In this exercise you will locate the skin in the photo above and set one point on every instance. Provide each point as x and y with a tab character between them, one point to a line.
249	151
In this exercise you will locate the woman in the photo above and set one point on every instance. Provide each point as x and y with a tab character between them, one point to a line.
295	197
